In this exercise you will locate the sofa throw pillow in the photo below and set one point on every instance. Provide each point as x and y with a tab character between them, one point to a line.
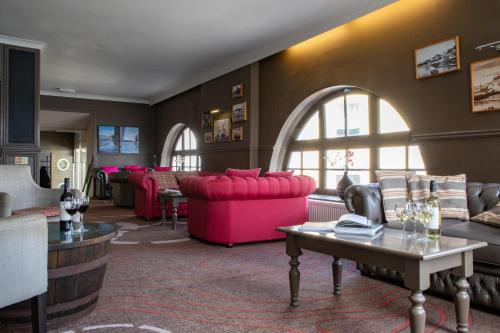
180	175
160	168
394	189
451	191
110	169
254	173
166	180
279	174
491	217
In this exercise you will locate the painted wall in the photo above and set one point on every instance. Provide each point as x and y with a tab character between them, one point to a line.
60	145
111	113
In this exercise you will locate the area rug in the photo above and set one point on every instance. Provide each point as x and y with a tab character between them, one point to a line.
158	280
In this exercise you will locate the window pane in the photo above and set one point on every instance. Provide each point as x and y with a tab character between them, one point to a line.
335	159
192	139
392	158
295	160
185	136
178	145
311	129
359	177
415	160
357	115
334	118
312	173
310	159
389	119
332	178
359	158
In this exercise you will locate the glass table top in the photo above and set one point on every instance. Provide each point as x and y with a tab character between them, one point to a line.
95	232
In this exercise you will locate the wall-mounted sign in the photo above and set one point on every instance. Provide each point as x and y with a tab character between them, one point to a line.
21	160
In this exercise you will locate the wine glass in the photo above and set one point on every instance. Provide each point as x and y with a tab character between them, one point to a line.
403	215
71	206
84	205
424	215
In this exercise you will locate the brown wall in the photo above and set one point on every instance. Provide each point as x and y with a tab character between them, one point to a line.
187	108
375	52
111	113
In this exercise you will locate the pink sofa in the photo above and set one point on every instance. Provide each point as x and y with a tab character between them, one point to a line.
230	210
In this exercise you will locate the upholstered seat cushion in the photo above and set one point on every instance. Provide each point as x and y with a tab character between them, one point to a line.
49	211
166	179
445	224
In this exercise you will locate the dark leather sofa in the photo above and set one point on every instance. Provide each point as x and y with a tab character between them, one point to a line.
122	191
102	186
366	200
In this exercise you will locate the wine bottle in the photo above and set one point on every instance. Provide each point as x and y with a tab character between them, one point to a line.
64	217
434	226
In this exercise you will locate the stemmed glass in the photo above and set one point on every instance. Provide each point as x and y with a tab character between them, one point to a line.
403	213
424	215
84	205
71	206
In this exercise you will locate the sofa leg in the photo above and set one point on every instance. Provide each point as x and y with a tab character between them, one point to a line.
229	245
39	313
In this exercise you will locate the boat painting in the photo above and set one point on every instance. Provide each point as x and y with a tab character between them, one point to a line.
438	58
485	85
129	140
108	139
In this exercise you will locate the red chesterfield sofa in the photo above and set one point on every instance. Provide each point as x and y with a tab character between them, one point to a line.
230	210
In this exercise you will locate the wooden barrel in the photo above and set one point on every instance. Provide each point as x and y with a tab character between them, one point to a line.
76	271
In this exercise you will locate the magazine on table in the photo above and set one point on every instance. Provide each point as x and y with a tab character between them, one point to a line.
318	226
353	224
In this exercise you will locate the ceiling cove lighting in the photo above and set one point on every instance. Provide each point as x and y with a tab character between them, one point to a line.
214	111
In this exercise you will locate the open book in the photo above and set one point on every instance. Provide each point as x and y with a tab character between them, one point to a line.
352	224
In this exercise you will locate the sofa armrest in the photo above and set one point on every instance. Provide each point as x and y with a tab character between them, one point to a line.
23	257
143	181
5	205
365	200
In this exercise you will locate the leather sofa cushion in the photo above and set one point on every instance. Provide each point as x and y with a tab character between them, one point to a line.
481	197
480	232
445	223
491	216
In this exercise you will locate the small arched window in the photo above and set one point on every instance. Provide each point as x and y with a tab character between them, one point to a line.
351	130
185	155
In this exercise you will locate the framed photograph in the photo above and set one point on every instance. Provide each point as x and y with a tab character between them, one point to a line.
437	58
240	112
206	119
485	85
222	128
109	139
237	134
208	137
129	140
237	90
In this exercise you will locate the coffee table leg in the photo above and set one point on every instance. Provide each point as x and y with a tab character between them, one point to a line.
462	303
174	217
417	312
294	274
337	275
163	211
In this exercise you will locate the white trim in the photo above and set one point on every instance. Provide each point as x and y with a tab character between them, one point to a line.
96	97
168	146
32	44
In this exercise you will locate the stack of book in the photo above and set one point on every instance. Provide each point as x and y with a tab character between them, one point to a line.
348	225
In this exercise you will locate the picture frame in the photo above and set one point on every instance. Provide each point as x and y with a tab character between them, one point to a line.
129	140
485	91
237	90
437	58
108	139
206	119
208	137
222	128
239	112
237	134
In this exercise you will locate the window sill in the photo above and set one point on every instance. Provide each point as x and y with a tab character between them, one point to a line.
324	197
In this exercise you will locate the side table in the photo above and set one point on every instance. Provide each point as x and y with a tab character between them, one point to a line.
175	198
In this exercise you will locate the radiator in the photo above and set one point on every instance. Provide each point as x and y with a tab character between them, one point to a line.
323	211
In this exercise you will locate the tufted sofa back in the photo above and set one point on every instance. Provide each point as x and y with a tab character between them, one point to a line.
246	188
482	197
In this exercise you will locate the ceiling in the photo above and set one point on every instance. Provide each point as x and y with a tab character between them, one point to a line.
148	50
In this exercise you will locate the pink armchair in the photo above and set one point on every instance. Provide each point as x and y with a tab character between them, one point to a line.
230	210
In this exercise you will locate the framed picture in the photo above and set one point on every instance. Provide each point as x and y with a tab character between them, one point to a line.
485	85
129	140
437	58
237	134
109	139
208	137
222	128
239	112
237	90
206	119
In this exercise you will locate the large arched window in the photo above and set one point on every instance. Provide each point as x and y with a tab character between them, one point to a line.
350	130
185	154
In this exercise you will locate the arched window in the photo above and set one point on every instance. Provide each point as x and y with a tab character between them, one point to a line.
185	155
350	130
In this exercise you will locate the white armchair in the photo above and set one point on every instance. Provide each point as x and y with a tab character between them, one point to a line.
23	262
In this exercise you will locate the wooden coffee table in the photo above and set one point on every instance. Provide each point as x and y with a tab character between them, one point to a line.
416	260
175	198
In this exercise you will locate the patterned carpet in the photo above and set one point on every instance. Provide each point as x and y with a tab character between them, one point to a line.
158	280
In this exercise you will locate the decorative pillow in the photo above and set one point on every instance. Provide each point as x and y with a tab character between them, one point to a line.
166	179
159	168
139	170
180	175
394	188
254	173
110	169
131	167
491	217
451	191
279	174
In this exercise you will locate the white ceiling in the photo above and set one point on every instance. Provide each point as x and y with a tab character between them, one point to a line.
148	50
